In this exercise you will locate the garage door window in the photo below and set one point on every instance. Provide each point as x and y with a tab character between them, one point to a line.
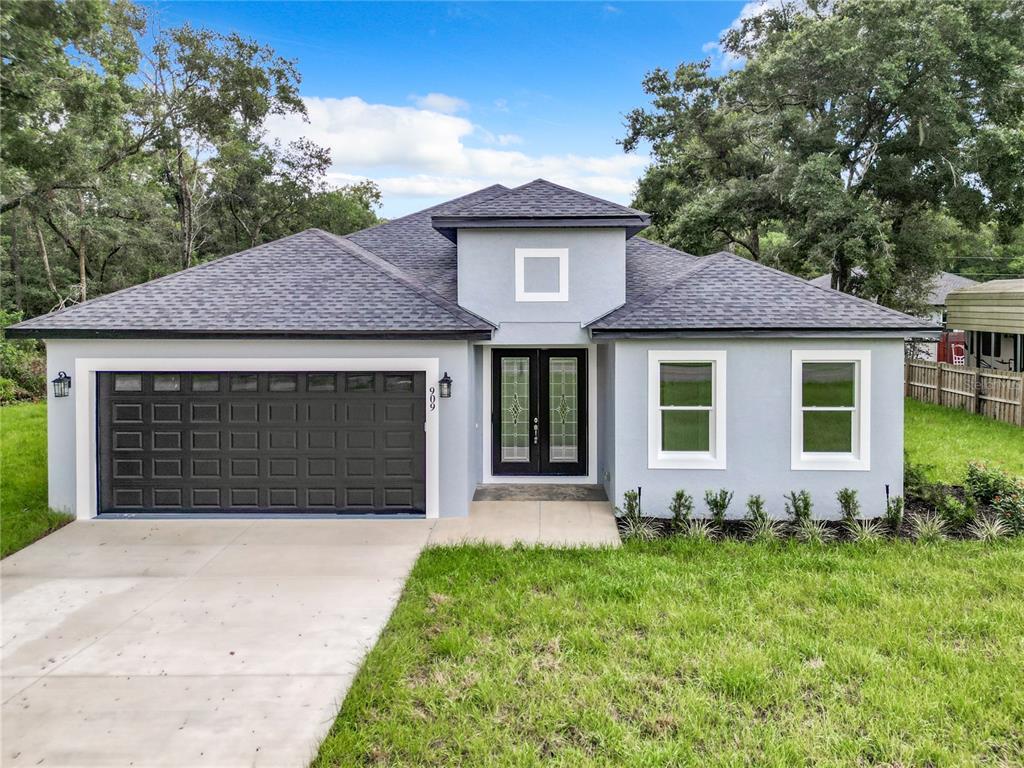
205	382
167	382
321	382
283	382
243	382
359	382
128	382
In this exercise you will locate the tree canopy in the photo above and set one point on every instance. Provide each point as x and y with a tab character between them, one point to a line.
128	151
877	141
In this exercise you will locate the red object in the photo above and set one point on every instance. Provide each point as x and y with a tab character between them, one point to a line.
952	347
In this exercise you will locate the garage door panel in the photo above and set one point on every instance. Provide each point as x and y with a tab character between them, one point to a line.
245	442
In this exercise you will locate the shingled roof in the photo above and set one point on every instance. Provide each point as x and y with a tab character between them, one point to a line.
309	284
939	287
725	292
540	203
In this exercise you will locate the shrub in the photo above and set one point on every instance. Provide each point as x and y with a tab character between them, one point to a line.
865	531
22	365
894	509
1010	508
799	506
633	524
764	529
718	502
702	530
813	532
927	529
1002	491
755	509
989	529
956	513
681	509
916	484
849	506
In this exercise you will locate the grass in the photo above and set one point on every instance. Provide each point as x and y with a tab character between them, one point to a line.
24	514
689	653
948	439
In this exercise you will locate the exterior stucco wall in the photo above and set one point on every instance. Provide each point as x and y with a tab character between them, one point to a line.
454	417
597	280
758	428
606	417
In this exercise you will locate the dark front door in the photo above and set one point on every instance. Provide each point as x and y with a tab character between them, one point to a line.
539	412
247	442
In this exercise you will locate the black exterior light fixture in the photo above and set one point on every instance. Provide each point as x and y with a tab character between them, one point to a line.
444	386
61	385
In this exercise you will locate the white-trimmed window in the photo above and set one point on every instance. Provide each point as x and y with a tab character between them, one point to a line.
831	409
542	274
686	409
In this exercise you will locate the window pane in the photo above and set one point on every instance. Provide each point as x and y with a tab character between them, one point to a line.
686	384
829	384
541	274
686	430
397	382
359	382
563	409
127	382
205	382
166	382
244	382
515	409
282	382
320	382
828	431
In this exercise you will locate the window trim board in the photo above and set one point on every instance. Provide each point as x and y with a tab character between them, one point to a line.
860	459
716	457
562	254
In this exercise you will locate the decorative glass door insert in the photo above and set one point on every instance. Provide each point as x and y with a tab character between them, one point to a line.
539	412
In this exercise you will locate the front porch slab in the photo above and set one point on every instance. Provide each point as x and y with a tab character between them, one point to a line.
548	523
539	492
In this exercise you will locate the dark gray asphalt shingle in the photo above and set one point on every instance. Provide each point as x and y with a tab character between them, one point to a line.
728	292
311	282
542	198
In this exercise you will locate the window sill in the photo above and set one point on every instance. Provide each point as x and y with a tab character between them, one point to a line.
830	462
552	297
664	460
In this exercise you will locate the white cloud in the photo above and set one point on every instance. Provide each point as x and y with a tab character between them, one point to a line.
418	153
723	61
440	102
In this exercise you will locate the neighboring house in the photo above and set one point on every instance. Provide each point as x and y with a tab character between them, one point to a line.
310	374
992	315
952	341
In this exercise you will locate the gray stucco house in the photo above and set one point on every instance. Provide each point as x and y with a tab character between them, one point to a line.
508	336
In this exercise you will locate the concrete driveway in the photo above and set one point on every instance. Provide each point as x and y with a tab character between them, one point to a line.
190	642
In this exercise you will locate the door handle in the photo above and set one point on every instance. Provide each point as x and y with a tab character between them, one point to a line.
536	429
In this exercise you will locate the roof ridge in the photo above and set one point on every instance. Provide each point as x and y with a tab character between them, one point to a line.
640	301
666	247
467	211
429	208
791	277
395	272
586	194
162	278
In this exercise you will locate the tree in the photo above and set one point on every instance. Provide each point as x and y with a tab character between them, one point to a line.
852	129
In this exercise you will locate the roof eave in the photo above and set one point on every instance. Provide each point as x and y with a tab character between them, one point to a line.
474	334
924	332
449	225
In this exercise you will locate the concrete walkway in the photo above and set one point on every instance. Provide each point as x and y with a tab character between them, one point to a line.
214	642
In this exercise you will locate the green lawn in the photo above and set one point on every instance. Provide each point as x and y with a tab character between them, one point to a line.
948	439
24	515
683	653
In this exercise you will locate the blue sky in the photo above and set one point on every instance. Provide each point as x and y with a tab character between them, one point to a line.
432	100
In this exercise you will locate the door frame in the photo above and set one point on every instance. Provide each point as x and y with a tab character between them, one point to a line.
87	486
487	475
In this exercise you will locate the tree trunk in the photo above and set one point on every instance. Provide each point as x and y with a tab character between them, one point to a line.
81	248
41	243
19	291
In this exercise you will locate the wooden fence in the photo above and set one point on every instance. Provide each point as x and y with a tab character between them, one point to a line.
996	394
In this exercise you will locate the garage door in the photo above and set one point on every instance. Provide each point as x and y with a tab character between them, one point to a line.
261	442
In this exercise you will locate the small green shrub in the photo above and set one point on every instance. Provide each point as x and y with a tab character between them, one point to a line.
702	530
631	521
764	528
916	484
755	509
894	509
718	502
989	529
849	505
799	506
928	529
865	531
681	508
955	513
997	488
22	365
813	532
1010	508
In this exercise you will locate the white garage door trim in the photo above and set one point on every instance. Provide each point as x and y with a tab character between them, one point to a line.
87	477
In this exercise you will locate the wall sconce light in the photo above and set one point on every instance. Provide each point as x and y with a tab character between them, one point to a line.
61	385
444	386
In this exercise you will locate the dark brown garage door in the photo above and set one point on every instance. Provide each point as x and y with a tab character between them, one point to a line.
262	442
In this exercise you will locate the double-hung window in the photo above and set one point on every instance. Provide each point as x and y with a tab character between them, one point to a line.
686	409
831	409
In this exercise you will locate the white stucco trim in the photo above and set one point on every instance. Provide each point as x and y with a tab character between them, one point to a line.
860	459
487	474
84	390
562	254
712	459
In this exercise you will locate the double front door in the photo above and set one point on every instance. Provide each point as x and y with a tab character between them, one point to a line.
539	412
